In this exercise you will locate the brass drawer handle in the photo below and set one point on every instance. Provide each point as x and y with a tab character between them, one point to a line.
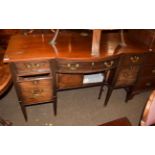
93	63
35	82
37	92
109	64
28	66
37	65
73	67
134	59
148	84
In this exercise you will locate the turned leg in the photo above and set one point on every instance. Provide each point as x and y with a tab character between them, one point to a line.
108	96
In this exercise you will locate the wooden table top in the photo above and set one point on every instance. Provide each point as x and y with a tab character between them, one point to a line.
68	46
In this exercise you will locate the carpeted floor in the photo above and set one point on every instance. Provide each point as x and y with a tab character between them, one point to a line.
75	107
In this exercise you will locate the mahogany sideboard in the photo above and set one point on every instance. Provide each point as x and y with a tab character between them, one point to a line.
40	69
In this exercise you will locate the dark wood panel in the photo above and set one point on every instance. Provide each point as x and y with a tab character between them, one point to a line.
118	122
145	83
147	71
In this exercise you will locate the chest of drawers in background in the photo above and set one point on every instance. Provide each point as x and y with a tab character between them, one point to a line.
34	82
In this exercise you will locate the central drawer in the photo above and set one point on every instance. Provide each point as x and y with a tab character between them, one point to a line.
36	91
32	67
85	67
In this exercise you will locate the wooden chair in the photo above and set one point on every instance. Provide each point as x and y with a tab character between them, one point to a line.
124	76
147	119
5	83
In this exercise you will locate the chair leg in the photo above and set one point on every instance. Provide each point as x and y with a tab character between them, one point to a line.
108	96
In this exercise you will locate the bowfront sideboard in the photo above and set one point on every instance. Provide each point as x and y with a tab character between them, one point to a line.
40	69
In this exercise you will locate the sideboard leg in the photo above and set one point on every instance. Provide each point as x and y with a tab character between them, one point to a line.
55	107
24	111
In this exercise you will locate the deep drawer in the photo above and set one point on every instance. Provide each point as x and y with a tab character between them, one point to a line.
36	91
85	67
32	67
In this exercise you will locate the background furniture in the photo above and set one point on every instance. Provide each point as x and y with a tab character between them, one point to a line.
5	82
118	122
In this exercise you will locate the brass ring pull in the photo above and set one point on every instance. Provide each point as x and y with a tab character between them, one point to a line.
134	59
37	65
109	64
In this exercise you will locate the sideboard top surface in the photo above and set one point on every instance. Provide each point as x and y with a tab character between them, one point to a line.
68	46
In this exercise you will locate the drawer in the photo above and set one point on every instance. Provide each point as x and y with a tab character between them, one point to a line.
127	76
148	71
36	91
145	83
150	59
32	67
132	59
85	67
65	81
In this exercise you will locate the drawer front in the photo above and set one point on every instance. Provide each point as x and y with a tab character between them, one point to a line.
36	91
132	59
65	81
148	71
145	83
150	59
85	67
33	67
127	76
